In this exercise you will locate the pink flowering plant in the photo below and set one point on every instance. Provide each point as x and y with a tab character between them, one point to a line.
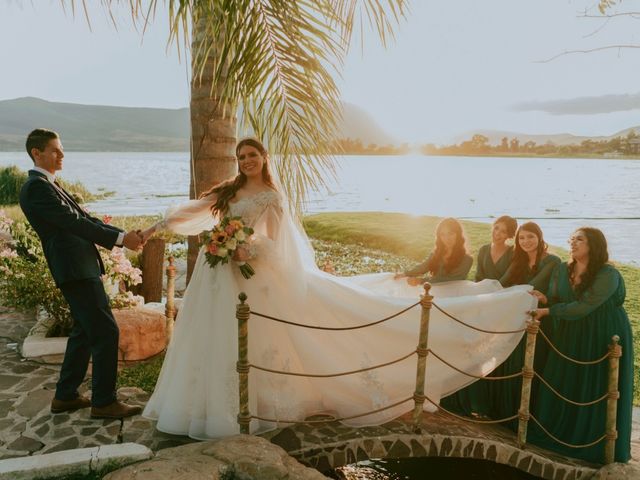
120	274
26	283
25	280
223	242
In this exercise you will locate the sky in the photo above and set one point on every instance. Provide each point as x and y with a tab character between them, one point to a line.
454	67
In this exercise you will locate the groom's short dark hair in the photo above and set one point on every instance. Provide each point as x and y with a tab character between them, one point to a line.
39	139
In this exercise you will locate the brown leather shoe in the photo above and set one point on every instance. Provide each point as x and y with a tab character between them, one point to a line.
115	410
60	406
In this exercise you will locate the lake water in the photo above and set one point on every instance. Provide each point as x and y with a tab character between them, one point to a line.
559	194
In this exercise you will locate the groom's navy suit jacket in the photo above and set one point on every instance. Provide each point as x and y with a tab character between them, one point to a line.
69	235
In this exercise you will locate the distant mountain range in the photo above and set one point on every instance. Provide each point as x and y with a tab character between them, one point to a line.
107	128
130	129
495	136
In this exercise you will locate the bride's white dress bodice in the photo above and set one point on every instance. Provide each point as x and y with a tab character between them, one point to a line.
252	207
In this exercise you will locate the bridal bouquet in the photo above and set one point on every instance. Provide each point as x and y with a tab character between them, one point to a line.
222	242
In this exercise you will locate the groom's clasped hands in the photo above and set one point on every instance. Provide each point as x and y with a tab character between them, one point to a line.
136	239
133	240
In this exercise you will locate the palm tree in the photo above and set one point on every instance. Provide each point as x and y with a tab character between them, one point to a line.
274	61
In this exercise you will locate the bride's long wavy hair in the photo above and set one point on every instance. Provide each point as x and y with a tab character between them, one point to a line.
458	252
227	190
520	262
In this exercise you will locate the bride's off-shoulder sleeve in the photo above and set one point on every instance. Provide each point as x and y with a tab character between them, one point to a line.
190	218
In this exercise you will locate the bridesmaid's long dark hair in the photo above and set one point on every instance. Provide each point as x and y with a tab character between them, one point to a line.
459	249
520	261
598	258
227	190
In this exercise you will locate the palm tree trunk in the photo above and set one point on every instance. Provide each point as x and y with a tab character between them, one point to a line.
213	133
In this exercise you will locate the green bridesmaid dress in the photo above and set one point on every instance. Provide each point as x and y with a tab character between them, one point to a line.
505	394
487	269
475	398
581	328
460	272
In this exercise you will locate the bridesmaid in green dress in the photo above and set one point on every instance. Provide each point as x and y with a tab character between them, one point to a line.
531	264
585	298
449	260
493	260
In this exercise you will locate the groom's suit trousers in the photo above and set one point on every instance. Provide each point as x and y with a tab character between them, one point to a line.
95	334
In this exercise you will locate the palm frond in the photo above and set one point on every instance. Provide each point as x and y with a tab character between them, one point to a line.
277	60
381	15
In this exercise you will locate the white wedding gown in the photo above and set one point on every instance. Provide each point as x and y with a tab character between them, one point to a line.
197	391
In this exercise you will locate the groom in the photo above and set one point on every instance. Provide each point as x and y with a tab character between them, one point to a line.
69	236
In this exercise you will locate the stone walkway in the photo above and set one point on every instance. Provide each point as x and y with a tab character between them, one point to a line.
28	428
26	389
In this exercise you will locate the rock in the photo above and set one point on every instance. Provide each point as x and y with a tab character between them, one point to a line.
618	471
34	403
142	333
242	457
26	444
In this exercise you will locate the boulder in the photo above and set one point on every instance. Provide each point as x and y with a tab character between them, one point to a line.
142	333
242	457
617	471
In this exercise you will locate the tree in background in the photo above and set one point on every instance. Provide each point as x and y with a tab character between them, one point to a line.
274	61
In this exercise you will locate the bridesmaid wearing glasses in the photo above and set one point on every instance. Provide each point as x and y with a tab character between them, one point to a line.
583	310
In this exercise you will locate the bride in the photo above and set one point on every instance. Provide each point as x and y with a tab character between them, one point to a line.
197	390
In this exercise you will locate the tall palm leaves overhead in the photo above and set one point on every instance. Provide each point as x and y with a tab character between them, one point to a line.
277	60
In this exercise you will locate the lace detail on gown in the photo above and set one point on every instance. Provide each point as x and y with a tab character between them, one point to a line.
252	207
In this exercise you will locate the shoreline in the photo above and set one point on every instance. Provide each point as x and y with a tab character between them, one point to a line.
415	152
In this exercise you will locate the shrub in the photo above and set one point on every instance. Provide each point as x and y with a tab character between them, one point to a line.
11	180
25	280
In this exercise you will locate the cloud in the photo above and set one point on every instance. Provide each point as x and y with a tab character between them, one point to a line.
583	105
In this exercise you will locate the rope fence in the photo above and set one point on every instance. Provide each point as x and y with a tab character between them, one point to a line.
328	375
573	360
335	329
503	377
572	402
422	351
335	419
478	329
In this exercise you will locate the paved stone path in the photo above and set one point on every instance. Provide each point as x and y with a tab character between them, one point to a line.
28	428
26	389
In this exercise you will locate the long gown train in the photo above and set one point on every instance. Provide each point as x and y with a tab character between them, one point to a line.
197	391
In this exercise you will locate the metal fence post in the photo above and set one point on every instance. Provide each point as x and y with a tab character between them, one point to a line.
242	366
615	352
422	351
170	309
533	326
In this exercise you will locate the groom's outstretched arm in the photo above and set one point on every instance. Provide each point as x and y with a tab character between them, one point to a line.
41	199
